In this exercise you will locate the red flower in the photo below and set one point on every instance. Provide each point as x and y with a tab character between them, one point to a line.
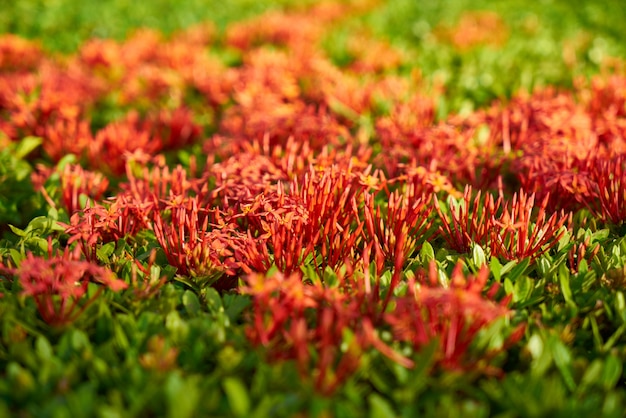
309	324
454	316
59	285
76	182
18	54
403	226
97	224
190	243
517	234
510	229
470	222
113	142
609	181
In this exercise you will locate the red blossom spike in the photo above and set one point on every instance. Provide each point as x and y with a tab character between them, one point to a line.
512	230
18	54
470	222
309	324
333	197
190	245
59	285
403	227
609	177
113	142
518	233
172	129
48	104
580	252
98	224
77	182
454	316
63	136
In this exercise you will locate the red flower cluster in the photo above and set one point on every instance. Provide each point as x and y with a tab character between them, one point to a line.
326	329
509	229
310	167
77	185
454	316
59	284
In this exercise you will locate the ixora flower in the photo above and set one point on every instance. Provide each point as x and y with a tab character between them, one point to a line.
507	227
454	316
59	284
308	323
321	328
609	177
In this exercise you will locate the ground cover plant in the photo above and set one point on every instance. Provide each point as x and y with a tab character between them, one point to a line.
313	209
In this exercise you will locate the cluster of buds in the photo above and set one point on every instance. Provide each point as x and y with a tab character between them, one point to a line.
326	330
59	284
507	228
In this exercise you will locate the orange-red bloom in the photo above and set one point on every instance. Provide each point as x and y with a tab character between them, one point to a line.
59	285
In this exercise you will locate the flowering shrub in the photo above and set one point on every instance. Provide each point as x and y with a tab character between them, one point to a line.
59	285
307	216
505	228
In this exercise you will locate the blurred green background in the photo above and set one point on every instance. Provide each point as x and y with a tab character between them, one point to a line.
546	41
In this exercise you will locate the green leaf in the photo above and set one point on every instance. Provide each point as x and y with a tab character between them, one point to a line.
518	270
563	360
43	349
496	268
17	231
38	242
508	287
478	256
235	305
612	372
614	338
42	225
213	300
380	407
176	326
592	375
565	240
21	379
191	303
508	267
65	160
182	396
186	280
620	304
16	256
523	289
542	358
543	266
104	252
237	395
26	146
600	235
425	362
427	253
120	338
564	277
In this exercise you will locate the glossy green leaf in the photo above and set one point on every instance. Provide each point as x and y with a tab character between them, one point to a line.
564	280
26	146
379	407
237	395
496	268
191	302
563	360
613	367
478	256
